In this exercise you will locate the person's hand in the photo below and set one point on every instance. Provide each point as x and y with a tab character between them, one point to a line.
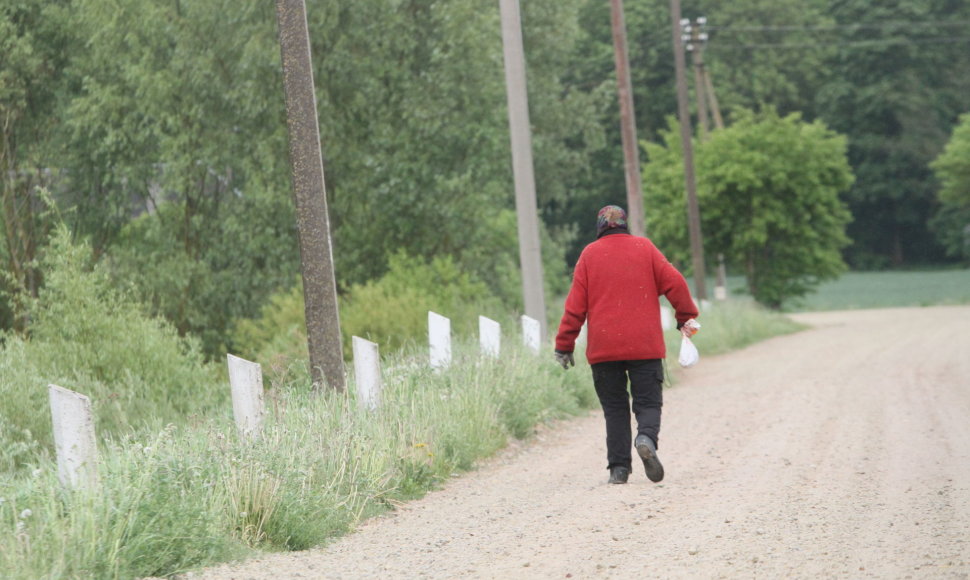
690	328
565	359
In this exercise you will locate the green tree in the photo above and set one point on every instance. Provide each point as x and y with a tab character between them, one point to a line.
952	169
766	52
895	90
87	336
768	188
34	44
178	119
415	131
744	76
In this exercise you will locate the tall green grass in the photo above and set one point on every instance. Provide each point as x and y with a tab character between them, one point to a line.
731	325
91	338
197	494
177	497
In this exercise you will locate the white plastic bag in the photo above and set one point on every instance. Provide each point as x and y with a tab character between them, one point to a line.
688	353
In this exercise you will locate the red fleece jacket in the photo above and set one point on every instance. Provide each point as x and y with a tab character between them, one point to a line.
616	290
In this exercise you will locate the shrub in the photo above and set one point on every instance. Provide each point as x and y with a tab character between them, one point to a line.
87	337
391	311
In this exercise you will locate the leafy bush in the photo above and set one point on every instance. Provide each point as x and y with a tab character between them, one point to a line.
278	335
769	188
202	282
391	311
92	339
952	168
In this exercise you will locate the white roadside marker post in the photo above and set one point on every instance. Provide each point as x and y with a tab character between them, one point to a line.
367	373
74	440
489	336
531	333
667	317
246	382
439	337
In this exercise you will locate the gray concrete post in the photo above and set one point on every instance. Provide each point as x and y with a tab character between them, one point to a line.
367	373
530	255
313	221
489	336
74	439
246	382
439	338
531	333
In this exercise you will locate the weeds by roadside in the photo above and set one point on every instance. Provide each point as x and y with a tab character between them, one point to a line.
194	494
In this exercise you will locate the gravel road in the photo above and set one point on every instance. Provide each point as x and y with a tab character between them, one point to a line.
840	451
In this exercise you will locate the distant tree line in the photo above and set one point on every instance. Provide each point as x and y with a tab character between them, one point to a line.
155	131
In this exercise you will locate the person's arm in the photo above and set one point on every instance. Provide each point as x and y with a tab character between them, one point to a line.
574	314
671	283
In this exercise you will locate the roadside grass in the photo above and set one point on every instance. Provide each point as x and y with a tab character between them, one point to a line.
178	497
194	494
732	325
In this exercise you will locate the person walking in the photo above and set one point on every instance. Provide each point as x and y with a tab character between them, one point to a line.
616	291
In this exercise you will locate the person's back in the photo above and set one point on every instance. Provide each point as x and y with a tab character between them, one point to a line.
623	277
616	291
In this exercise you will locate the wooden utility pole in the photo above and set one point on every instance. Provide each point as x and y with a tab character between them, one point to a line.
696	48
683	112
712	98
628	126
313	221
530	256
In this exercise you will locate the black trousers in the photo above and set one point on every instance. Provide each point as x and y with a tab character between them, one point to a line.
645	379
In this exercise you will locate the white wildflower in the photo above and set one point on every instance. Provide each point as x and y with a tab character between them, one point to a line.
36	472
26	514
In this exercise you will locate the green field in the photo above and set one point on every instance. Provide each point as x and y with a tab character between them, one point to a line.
890	289
877	290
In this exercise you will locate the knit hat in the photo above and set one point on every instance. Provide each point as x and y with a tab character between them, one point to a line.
611	216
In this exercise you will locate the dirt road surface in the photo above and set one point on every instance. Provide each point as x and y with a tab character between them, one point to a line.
839	452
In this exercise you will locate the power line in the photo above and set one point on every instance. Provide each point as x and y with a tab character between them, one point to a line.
873	26
883	42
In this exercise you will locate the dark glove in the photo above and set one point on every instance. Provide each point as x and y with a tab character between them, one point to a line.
565	359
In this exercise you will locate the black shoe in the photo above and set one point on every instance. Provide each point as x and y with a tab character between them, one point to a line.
648	453
619	474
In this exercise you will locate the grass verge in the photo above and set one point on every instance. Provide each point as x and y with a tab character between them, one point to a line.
195	495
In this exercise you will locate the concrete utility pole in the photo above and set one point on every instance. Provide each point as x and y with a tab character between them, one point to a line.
696	48
313	221
530	256
628	122
693	211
